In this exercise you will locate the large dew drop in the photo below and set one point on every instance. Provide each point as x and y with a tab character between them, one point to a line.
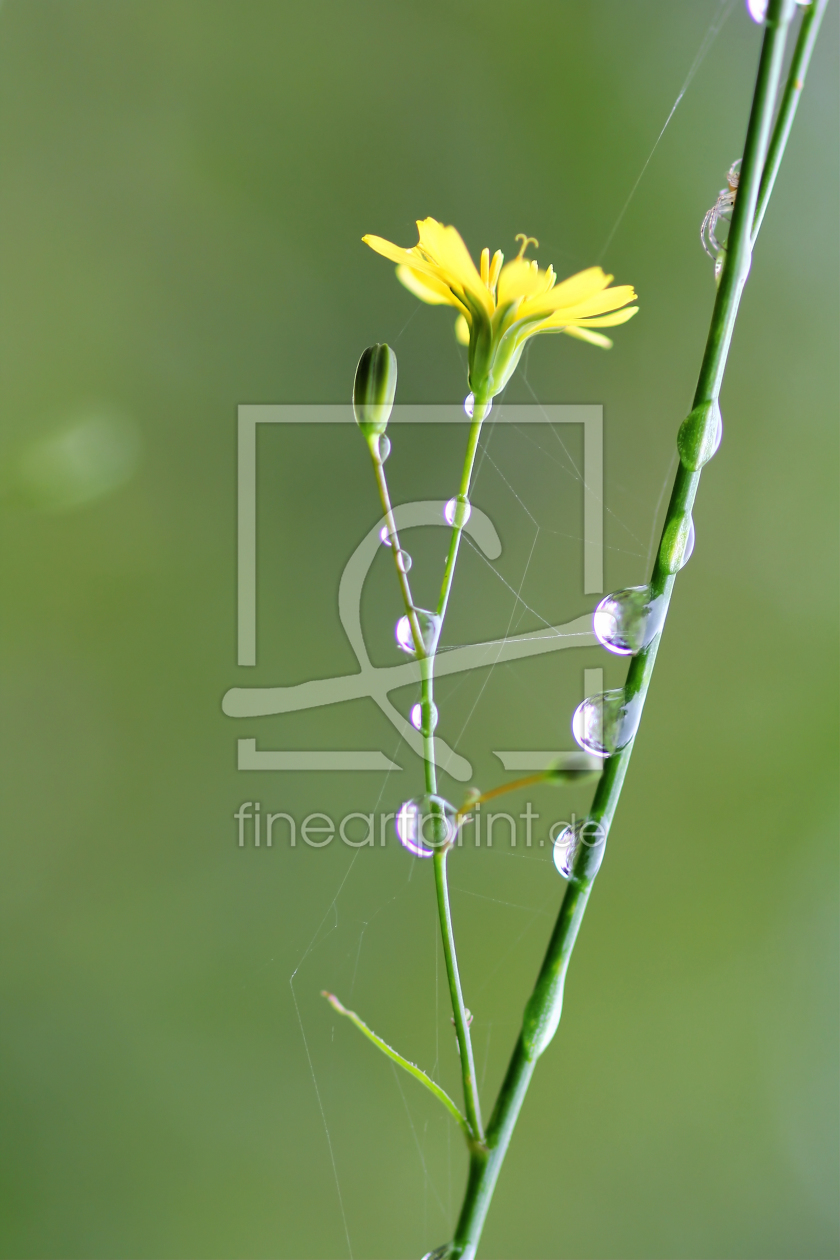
403	561
417	717
605	723
469	406
429	628
565	847
425	825
677	544
384	536
700	435
628	620
457	511
568	844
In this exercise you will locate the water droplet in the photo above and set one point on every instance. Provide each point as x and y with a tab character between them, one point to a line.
677	544
457	511
383	447
757	10
568	844
417	717
405	639
628	620
604	723
565	847
426	824
403	561
384	536
429	628
700	435
469	406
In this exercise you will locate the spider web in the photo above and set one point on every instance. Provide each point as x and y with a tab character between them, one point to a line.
549	445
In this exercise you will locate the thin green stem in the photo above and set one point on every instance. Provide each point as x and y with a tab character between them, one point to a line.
402	576
529	781
411	1068
480	411
462	1032
808	31
462	1029
543	1010
427	701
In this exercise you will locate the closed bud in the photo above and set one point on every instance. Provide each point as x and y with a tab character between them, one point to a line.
374	389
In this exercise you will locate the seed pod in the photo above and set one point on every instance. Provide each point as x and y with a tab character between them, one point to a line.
374	389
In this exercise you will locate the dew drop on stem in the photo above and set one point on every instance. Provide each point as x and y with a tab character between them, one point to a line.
426	824
417	718
469	406
627	621
457	511
605	723
429	623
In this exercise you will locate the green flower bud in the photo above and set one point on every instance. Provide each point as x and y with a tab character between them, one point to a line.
374	389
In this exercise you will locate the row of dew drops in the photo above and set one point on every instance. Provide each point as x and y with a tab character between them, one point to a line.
625	623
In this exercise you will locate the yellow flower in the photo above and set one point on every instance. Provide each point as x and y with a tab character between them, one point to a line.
500	305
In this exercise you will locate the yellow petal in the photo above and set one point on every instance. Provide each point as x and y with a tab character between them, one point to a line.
445	247
606	301
397	254
425	287
594	339
610	321
570	292
462	331
609	300
519	279
567	319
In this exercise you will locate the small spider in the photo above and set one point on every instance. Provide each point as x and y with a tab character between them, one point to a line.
722	209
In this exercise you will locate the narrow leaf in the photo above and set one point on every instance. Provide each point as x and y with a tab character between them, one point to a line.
411	1068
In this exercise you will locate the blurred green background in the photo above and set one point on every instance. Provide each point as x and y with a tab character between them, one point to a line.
183	188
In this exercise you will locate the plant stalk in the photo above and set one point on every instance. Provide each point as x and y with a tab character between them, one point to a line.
543	1010
480	410
462	1031
807	38
402	576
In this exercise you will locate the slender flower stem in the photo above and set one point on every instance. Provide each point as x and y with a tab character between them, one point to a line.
462	1029
402	576
475	1133
480	410
462	1032
543	1010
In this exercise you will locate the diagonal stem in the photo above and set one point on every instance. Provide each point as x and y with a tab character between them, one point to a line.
808	31
543	1010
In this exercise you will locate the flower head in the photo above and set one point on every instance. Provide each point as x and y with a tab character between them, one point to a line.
500	305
